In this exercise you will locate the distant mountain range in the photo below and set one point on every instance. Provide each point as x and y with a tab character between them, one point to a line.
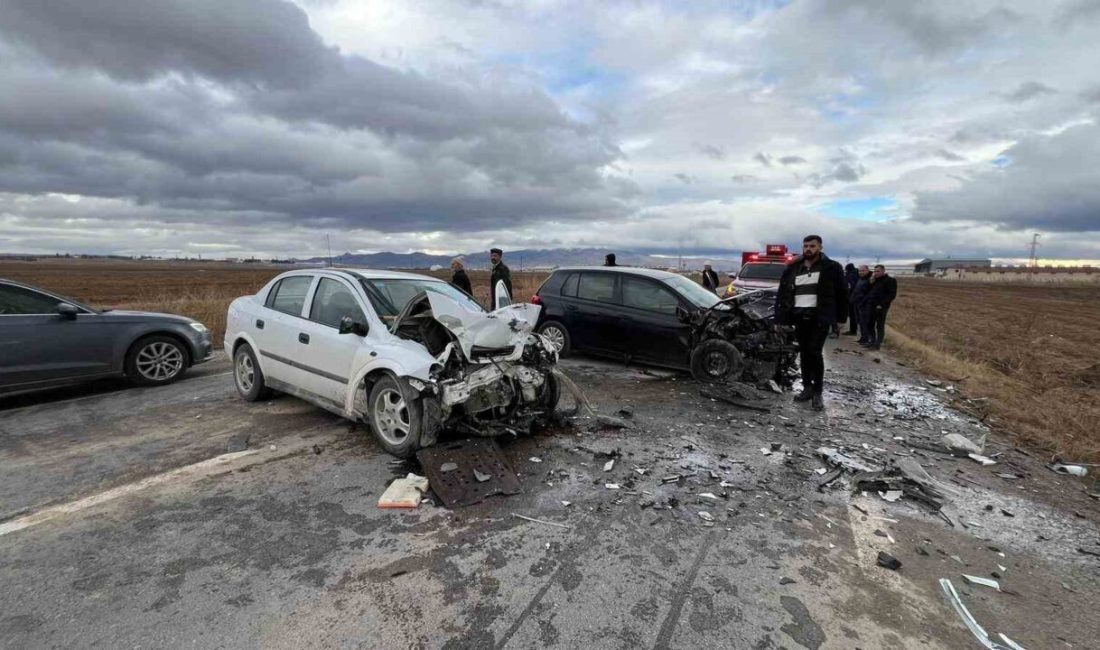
529	258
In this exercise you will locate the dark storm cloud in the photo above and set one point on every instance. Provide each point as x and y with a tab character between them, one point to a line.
261	42
763	158
1048	182
711	151
236	107
1029	90
792	160
932	29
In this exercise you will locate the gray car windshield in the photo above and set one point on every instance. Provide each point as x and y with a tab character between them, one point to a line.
692	291
390	295
762	272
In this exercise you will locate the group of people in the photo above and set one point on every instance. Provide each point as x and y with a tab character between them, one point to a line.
816	296
500	274
870	293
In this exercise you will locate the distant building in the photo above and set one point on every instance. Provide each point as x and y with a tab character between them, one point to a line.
1036	275
936	266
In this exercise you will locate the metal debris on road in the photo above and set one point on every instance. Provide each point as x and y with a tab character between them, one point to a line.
404	492
1072	470
985	582
611	486
844	461
714	393
609	465
887	561
891	495
448	467
960	445
479	471
535	459
541	521
984	460
706	516
978	631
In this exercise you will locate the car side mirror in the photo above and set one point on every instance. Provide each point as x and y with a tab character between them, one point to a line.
732	276
67	311
682	315
349	326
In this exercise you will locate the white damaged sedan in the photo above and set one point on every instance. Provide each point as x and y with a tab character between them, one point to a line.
408	354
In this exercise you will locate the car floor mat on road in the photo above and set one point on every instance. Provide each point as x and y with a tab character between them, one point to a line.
464	472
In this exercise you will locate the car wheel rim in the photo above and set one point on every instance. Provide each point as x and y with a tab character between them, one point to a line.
246	373
391	416
159	361
717	364
555	336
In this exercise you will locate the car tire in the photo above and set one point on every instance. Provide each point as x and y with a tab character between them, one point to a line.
555	332
156	360
716	360
247	376
396	416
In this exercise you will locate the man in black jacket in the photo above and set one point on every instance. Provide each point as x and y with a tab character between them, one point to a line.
880	295
813	297
851	277
710	278
459	279
855	302
501	273
609	260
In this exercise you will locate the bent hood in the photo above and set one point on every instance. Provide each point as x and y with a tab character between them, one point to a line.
507	327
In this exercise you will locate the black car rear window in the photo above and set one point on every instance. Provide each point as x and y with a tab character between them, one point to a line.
570	286
596	286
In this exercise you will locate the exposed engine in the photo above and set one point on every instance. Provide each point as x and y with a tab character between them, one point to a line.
747	323
493	374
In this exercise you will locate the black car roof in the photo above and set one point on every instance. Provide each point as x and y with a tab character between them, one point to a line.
656	274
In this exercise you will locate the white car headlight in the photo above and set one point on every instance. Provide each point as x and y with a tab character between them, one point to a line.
198	327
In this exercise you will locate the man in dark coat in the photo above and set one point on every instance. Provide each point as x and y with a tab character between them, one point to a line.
855	301
459	279
880	295
609	260
851	276
501	273
813	297
710	278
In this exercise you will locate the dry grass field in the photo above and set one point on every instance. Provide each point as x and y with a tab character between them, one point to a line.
1031	354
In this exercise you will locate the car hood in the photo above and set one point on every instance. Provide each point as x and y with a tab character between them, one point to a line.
145	316
506	327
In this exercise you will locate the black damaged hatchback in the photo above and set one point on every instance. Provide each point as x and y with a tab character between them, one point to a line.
664	319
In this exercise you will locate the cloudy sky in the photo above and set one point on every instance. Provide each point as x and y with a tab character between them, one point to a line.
238	127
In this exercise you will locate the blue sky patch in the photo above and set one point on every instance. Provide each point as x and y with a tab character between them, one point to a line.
870	209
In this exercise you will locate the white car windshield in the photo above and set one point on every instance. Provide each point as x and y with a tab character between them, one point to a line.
390	295
694	292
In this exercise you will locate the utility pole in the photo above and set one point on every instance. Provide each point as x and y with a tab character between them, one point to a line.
1032	260
328	241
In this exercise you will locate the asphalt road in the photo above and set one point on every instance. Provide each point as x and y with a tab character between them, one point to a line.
135	537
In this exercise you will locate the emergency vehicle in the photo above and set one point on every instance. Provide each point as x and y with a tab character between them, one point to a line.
759	270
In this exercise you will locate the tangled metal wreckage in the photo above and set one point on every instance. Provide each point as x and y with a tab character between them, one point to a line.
489	375
736	339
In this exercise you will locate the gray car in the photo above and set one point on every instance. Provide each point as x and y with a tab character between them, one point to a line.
47	340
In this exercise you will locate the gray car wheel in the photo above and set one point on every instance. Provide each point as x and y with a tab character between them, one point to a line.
557	335
156	360
247	376
396	416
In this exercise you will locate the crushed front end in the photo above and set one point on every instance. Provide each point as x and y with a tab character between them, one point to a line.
493	374
747	323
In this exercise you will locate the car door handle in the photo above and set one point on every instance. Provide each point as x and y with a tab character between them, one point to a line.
571	308
259	324
303	338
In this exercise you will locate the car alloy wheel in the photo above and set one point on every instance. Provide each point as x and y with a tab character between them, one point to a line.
555	335
159	361
717	364
246	372
391	416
